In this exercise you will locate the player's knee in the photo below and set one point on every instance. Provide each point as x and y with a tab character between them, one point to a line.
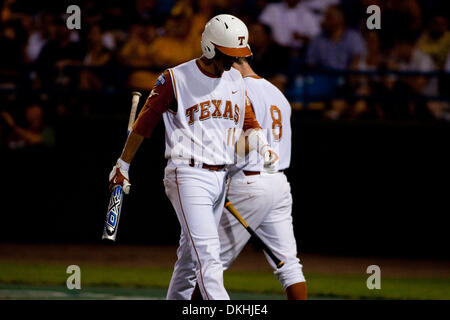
290	274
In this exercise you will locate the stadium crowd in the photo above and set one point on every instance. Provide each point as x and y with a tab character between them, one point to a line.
319	52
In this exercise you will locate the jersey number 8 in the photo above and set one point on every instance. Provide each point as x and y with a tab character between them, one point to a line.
276	122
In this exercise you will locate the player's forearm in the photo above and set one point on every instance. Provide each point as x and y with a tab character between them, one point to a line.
131	146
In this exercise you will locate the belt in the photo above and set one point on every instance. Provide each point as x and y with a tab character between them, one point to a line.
250	173
212	167
254	173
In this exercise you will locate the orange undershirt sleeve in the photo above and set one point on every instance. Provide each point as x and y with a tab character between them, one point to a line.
160	100
250	121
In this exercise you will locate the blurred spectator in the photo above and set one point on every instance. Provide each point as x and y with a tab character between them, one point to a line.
38	36
400	18
337	47
372	59
147	12
365	85
12	43
435	41
406	57
59	52
291	22
355	11
180	42
97	56
203	10
370	85
318	7
34	133
136	52
269	58
251	10
410	12
118	15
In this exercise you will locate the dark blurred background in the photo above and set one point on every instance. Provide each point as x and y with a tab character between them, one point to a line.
370	164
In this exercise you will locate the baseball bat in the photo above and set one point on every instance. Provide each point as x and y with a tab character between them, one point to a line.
229	206
116	198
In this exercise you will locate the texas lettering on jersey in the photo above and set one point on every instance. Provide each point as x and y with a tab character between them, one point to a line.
213	109
203	126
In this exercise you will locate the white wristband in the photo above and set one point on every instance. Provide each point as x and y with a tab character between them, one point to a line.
122	165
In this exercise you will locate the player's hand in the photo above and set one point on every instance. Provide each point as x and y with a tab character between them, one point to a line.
119	176
271	161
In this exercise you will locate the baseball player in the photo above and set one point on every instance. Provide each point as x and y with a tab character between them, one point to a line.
205	110
263	200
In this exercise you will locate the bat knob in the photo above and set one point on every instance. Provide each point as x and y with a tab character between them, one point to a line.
135	93
126	187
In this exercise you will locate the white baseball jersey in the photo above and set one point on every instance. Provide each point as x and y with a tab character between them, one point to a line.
210	115
273	112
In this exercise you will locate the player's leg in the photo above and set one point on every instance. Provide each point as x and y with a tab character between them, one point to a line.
218	209
194	193
183	277
277	232
251	198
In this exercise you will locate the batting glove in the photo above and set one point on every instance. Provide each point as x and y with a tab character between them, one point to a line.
119	176
271	161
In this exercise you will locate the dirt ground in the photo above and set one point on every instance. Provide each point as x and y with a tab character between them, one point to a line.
250	259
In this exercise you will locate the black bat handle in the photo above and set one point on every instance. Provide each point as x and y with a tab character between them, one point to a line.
277	261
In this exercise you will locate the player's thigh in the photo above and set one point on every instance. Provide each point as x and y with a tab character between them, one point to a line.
277	228
251	197
193	199
233	238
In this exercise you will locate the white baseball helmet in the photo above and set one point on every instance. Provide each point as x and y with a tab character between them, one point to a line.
227	34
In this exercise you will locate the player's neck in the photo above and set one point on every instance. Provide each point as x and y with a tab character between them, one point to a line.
208	67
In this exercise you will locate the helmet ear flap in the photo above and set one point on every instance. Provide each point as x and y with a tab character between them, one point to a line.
208	49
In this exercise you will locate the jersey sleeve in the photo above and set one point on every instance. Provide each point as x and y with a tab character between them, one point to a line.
160	100
250	121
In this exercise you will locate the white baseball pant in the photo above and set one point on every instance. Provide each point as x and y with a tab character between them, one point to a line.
197	196
265	202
